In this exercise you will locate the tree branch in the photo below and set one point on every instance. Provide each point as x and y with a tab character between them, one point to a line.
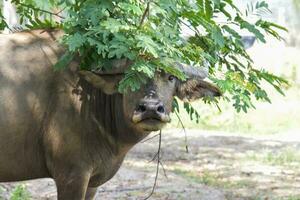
145	14
41	10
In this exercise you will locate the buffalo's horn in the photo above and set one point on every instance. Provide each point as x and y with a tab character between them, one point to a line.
193	72
116	66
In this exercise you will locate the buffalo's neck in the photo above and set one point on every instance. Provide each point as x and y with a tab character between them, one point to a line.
106	119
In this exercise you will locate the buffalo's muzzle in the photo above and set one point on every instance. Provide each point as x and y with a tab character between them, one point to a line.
150	110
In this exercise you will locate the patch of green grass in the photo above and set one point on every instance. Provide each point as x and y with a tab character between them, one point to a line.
264	197
206	178
286	156
290	198
1	191
211	179
20	193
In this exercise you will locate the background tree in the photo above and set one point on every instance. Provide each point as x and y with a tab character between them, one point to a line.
151	32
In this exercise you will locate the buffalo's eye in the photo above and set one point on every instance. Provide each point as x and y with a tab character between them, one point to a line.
171	78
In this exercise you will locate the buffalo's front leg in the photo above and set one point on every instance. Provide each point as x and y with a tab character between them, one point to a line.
90	193
74	188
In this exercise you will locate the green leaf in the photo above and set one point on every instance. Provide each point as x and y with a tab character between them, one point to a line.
64	61
251	28
217	36
130	8
232	32
148	45
75	41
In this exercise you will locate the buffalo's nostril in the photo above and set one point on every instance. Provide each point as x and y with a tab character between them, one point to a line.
141	108
160	109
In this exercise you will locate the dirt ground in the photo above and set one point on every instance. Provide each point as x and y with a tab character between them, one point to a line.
218	166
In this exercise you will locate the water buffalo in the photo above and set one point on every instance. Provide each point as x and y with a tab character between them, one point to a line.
72	125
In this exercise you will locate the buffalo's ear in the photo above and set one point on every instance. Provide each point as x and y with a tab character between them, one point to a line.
194	89
107	83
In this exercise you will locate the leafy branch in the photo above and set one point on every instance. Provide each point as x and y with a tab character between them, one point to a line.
101	30
17	2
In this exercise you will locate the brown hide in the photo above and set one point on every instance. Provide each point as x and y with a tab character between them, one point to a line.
52	124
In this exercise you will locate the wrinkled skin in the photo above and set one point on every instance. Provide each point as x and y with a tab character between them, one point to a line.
73	126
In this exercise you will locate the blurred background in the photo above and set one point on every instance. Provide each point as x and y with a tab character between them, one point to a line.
279	57
226	155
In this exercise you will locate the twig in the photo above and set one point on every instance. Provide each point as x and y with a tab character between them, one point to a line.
157	168
154	157
185	136
61	10
145	13
164	170
194	30
149	138
161	164
41	10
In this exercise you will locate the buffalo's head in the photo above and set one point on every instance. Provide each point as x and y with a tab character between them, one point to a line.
148	109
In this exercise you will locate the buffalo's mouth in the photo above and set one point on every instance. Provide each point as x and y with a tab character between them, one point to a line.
150	117
150	121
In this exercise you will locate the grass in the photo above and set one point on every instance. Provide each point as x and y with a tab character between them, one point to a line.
206	178
284	157
293	198
1	191
210	179
290	198
20	193
267	197
237	189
